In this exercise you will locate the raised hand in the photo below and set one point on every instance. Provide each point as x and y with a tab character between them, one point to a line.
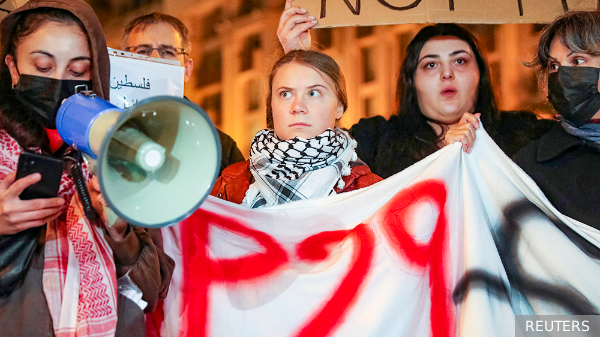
293	31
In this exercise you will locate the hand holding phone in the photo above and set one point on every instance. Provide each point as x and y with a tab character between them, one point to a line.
17	215
51	170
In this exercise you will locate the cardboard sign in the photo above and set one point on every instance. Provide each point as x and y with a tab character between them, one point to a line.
335	13
134	77
9	6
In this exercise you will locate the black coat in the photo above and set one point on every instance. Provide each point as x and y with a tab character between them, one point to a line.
567	171
382	148
230	154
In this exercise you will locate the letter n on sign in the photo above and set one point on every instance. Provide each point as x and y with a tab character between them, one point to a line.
335	13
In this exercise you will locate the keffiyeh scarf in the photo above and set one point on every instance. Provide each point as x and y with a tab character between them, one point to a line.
79	277
297	169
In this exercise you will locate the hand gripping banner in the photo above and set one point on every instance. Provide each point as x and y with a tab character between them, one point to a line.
455	245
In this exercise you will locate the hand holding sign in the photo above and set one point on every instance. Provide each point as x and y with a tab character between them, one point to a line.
293	31
334	13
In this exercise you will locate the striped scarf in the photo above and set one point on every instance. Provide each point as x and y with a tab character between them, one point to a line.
79	277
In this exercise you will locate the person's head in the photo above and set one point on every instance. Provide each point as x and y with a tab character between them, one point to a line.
573	39
443	76
44	43
567	49
159	35
60	39
49	43
307	95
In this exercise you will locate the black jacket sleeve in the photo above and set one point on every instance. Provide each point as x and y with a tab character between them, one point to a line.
230	154
367	133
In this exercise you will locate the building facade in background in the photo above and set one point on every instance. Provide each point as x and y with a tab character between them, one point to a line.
235	44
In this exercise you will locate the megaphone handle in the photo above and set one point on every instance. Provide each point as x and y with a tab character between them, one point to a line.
84	195
111	216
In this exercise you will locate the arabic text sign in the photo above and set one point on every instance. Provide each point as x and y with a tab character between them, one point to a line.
133	78
333	13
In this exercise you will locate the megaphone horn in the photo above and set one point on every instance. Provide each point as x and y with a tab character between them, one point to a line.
156	161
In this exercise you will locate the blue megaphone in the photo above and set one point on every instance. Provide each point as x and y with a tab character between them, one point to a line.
156	161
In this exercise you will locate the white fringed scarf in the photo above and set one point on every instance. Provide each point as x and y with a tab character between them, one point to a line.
297	169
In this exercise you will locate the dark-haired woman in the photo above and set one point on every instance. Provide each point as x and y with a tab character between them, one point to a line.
444	84
58	272
565	162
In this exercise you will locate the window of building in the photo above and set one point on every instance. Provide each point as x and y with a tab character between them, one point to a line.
363	31
251	45
135	4
247	6
538	27
323	37
103	5
532	84
212	105
210	23
369	107
210	68
403	41
496	75
486	34
253	94
367	56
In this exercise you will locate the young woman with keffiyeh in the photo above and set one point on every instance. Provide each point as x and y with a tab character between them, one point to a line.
302	154
58	271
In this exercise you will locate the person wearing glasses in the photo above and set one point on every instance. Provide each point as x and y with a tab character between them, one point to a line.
165	36
159	35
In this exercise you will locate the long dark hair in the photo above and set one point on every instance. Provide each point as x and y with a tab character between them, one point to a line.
410	125
322	63
15	118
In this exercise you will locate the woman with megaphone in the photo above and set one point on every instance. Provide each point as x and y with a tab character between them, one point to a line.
58	271
302	154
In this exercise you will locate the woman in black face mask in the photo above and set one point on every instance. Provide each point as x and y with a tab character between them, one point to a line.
565	162
58	271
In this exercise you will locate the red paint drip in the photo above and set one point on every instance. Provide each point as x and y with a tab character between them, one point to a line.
316	248
430	256
200	270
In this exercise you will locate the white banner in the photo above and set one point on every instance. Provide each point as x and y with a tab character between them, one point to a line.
455	245
134	77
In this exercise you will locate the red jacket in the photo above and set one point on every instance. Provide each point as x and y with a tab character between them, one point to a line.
235	180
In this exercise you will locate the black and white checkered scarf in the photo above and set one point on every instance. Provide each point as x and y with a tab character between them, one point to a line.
296	169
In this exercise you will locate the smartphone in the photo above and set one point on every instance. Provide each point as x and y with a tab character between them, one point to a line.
49	167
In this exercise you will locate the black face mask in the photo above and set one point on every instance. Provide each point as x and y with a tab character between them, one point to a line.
573	91
44	95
